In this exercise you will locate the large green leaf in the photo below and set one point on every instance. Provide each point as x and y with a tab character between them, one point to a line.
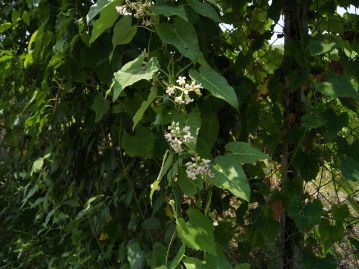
317	47
133	72
245	152
305	216
108	16
208	134
96	9
5	26
169	10
100	106
229	175
139	145
182	35
145	104
349	168
123	32
204	9
197	233
216	84
338	86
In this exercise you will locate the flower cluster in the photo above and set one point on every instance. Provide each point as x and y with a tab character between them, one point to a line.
177	136
181	91
198	168
140	10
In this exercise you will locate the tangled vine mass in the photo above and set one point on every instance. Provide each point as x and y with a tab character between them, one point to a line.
164	134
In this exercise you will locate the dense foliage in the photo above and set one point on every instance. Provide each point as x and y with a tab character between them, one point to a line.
172	134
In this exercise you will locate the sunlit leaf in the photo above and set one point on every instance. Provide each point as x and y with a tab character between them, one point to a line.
197	233
5	26
204	9
108	17
133	72
229	175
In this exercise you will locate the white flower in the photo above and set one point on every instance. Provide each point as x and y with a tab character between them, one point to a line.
122	10
196	87
198	168
182	91
187	99
177	136
181	80
170	90
179	100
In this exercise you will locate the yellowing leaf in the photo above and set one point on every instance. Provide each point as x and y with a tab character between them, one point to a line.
103	237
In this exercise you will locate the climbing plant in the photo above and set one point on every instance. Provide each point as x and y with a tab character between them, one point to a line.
175	134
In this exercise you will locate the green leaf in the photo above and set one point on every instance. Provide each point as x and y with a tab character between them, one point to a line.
338	86
229	175
96	9
108	16
179	256
26	16
313	120
15	16
194	263
217	261
182	35
188	186
204	9
197	233
133	72
135	256
123	32
243	266
37	165
245	152
169	10
349	168
330	233
145	104
5	26
305	216
310	261
317	47
100	106
88	207
194	122
166	164
216	84
139	145
207	134
157	257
